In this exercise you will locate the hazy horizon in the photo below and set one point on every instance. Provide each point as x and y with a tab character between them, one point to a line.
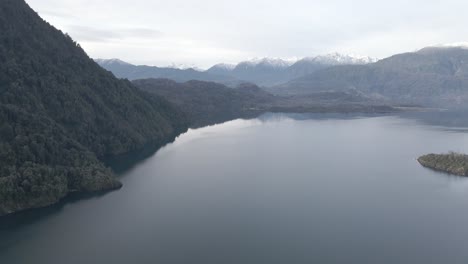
208	32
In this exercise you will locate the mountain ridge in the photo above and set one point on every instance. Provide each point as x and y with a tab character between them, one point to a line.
261	71
431	76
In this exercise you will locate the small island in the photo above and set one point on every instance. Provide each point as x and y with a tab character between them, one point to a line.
453	163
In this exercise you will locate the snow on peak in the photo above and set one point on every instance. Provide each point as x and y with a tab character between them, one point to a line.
341	59
269	62
183	66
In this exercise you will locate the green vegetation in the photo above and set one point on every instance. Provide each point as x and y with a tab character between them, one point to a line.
60	113
453	163
209	103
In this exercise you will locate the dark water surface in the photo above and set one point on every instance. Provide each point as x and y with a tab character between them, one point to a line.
278	189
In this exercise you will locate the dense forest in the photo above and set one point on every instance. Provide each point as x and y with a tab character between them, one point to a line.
208	103
453	163
60	113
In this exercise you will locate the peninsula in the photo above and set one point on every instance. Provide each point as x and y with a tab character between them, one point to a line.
452	163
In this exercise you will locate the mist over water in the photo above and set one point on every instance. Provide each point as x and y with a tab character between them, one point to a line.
276	189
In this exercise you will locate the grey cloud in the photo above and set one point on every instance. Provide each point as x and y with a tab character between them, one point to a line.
212	31
141	32
90	34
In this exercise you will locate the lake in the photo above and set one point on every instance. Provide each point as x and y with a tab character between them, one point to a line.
277	189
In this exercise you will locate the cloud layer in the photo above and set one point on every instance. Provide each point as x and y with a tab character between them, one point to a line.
206	32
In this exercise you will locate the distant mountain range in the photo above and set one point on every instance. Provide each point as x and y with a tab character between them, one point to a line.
263	72
433	76
122	69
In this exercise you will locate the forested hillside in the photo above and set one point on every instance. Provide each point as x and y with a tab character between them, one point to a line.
209	103
60	112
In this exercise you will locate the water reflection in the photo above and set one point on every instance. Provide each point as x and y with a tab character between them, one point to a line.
282	188
456	121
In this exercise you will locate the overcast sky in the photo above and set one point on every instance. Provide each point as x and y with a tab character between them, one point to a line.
205	32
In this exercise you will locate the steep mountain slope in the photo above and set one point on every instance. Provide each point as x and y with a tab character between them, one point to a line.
431	76
60	112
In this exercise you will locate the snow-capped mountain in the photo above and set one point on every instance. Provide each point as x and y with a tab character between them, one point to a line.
310	65
265	62
221	69
261	71
271	69
264	71
340	59
224	66
183	66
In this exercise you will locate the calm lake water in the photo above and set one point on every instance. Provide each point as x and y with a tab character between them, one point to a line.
287	189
